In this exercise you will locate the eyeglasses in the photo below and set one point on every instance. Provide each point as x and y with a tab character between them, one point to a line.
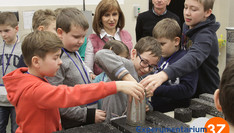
145	64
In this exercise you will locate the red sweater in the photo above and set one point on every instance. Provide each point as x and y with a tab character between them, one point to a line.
37	102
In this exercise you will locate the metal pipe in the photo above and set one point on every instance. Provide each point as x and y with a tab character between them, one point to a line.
230	44
83	5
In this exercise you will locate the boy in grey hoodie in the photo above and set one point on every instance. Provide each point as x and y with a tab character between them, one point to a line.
144	59
72	27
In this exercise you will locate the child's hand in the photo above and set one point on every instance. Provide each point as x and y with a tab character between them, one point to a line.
152	82
147	108
131	88
93	76
100	116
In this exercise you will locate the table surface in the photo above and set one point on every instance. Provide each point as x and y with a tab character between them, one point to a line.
171	114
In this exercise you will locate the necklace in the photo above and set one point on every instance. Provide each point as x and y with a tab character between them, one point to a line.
8	61
86	74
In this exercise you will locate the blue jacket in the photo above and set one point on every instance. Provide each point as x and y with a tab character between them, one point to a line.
175	92
203	51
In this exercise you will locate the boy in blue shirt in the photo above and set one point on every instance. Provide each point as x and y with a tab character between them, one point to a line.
174	93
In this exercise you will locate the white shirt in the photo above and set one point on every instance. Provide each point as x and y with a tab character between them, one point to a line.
89	55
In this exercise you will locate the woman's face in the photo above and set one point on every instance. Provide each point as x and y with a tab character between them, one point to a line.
110	20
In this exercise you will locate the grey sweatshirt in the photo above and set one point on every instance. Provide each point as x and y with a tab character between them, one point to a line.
13	62
70	75
112	64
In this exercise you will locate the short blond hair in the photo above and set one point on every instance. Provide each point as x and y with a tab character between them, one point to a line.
208	4
43	18
39	43
167	28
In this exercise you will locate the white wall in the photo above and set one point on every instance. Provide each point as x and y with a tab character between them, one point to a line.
223	9
126	5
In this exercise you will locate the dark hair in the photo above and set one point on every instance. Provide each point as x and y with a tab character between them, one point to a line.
149	43
39	43
226	95
118	47
71	17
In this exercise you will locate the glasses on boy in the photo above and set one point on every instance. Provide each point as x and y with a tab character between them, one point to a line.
145	64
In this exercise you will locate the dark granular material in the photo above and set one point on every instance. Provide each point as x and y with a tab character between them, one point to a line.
198	110
210	107
91	128
183	114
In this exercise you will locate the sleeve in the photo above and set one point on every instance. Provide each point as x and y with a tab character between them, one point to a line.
47	96
110	63
82	115
185	89
196	55
89	55
138	28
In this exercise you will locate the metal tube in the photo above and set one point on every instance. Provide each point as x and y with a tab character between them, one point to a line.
230	44
135	112
83	5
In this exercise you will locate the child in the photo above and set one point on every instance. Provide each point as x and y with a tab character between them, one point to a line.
36	101
82	49
148	19
10	55
108	24
144	58
202	46
119	48
43	20
72	27
174	93
223	96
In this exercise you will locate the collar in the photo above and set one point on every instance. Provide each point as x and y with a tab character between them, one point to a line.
103	34
158	14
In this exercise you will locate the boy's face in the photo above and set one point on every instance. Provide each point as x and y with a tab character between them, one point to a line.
50	64
73	39
8	33
169	46
110	20
160	4
194	13
141	62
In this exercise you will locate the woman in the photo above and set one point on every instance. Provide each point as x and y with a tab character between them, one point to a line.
108	25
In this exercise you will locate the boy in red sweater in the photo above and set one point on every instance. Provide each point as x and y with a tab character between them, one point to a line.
36	101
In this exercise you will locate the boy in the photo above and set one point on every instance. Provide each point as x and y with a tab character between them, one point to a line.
43	20
144	58
72	27
174	93
223	96
147	20
202	46
36	101
10	55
